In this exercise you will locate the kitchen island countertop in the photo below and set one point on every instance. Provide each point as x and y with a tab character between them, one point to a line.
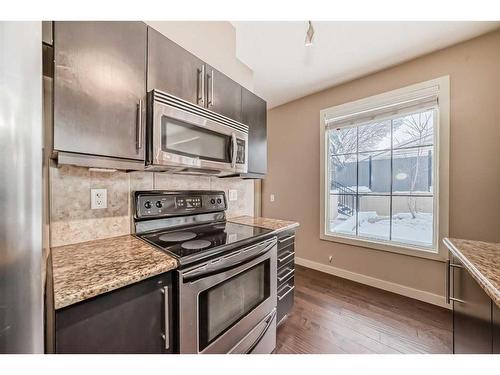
482	260
85	270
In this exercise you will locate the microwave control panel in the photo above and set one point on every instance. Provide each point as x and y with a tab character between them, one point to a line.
240	151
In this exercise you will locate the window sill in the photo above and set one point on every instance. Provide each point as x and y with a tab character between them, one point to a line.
392	248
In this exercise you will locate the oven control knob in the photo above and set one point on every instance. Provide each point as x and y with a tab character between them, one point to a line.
147	204
219	201
159	204
212	201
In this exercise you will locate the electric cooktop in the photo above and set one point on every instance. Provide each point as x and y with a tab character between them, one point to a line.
190	225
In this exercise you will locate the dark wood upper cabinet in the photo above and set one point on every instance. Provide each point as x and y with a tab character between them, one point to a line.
254	114
174	70
223	94
99	83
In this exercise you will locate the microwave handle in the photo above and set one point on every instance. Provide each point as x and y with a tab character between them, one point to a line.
234	150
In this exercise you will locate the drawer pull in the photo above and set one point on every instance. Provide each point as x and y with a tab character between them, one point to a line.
290	271
288	289
286	238
288	255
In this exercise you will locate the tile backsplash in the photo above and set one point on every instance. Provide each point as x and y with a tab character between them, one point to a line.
72	220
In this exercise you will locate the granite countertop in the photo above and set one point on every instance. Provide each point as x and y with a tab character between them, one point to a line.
482	260
87	269
274	224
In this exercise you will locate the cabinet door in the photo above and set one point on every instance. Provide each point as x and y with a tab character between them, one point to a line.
174	70
128	320
223	94
254	114
496	329
471	318
99	80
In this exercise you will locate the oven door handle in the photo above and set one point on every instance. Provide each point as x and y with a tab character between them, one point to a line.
229	261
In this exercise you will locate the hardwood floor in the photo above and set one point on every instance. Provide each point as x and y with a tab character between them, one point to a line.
335	315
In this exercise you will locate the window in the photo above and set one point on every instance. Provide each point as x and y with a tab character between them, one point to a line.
381	169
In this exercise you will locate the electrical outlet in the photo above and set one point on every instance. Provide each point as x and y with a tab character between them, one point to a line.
98	198
271	198
233	195
330	259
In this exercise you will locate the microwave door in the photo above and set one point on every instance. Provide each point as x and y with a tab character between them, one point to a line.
182	139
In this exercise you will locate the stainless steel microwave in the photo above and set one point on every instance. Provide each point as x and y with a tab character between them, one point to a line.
185	138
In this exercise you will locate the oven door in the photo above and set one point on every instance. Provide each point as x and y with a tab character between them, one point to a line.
229	305
187	141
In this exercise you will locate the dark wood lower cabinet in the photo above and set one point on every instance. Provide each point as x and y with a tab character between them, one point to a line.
286	272
475	315
128	320
496	329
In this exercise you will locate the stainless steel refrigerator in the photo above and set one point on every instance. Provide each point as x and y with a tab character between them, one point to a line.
21	188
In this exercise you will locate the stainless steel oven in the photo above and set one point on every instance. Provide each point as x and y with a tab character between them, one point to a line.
186	138
228	304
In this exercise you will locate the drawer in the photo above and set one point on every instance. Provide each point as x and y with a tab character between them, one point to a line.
285	240
285	272
285	299
285	256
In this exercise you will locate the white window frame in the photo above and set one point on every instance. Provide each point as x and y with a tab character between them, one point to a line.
441	167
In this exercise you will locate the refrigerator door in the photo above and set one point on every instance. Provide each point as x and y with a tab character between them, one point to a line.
21	301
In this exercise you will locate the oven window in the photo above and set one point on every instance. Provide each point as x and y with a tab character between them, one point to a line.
190	140
225	304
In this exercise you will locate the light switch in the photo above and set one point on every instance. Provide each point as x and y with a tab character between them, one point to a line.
98	198
271	198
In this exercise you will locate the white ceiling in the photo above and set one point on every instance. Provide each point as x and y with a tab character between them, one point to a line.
285	69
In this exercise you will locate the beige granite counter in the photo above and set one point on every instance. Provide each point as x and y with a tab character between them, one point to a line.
274	224
87	269
482	260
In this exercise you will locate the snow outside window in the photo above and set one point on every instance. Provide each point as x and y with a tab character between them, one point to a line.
381	172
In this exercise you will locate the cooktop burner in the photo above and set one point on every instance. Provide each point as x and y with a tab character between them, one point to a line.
177	236
196	244
195	240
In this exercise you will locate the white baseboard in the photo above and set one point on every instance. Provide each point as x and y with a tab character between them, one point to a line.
407	291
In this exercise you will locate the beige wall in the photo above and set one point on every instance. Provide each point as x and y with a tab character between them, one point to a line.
293	169
212	41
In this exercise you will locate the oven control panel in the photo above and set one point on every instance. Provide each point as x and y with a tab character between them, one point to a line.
151	204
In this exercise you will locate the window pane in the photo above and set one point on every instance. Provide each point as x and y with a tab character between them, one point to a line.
412	220
342	209
343	174
374	218
343	140
414	130
375	136
412	171
375	172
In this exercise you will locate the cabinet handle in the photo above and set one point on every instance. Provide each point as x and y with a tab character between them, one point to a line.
286	238
290	271
211	100
166	336
290	288
201	78
449	298
139	125
288	255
